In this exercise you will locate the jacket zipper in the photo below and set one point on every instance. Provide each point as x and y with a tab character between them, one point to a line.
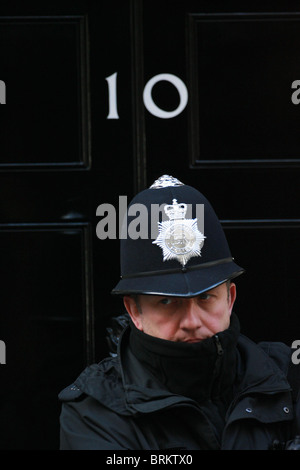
220	350
217	367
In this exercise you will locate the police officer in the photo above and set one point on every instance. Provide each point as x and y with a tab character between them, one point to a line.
184	377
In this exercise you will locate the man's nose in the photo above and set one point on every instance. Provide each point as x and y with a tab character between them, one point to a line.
191	315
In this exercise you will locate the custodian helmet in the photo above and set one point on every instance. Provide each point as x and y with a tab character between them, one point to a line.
187	255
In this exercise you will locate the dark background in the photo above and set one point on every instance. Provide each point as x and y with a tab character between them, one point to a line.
237	141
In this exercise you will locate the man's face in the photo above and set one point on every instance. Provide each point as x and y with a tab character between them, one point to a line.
183	319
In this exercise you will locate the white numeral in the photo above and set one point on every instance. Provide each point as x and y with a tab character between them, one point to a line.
112	96
153	108
147	96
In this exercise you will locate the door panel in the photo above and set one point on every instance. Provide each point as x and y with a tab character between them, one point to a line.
44	63
241	71
267	292
46	324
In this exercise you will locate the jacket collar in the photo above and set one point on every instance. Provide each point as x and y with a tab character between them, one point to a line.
143	393
201	371
111	384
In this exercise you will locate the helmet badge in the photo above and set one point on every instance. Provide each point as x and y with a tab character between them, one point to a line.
178	237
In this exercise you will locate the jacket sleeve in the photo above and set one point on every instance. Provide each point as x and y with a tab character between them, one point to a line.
283	356
294	381
86	425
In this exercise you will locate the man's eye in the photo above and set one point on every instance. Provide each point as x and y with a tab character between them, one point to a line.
165	301
204	296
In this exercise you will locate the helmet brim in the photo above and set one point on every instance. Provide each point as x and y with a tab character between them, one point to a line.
185	283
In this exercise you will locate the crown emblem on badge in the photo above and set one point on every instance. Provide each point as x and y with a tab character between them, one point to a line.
175	211
178	237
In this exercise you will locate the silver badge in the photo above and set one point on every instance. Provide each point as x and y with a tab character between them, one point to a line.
179	238
165	181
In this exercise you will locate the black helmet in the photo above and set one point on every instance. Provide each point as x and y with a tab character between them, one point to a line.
183	255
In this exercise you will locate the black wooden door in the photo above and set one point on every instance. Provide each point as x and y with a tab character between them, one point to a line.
98	100
60	158
222	113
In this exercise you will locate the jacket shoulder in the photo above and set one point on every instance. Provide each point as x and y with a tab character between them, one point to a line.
279	352
92	380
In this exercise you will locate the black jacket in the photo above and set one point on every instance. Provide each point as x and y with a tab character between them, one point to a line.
117	405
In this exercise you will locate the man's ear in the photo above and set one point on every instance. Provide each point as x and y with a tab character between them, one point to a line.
232	295
133	311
